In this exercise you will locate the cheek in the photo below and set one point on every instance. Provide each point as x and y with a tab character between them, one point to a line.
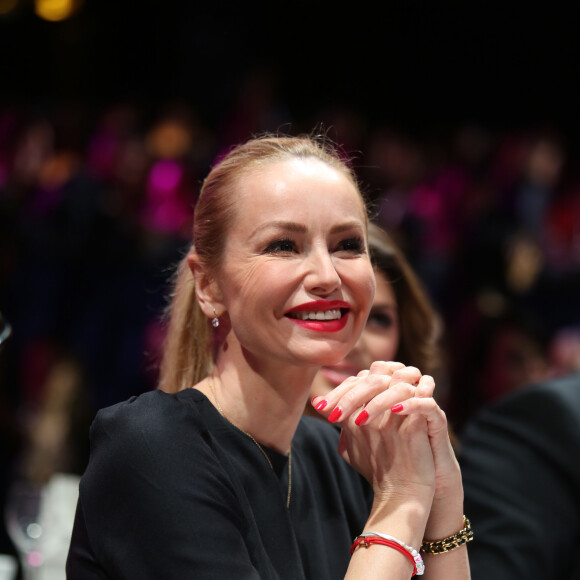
249	286
364	282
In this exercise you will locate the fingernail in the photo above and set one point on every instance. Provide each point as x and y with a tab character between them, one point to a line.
335	415
319	406
362	417
397	408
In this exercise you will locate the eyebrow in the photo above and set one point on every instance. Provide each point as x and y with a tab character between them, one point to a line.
295	227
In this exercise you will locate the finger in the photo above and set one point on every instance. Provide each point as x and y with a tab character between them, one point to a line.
383	402
325	404
385	367
426	387
355	395
355	392
415	406
426	407
379	368
411	375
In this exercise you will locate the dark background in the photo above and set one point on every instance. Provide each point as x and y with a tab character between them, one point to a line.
424	66
399	78
463	120
80	267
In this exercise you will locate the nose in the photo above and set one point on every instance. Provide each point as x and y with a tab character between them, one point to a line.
321	275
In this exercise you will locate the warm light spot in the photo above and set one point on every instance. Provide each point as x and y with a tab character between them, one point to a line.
169	140
56	10
58	169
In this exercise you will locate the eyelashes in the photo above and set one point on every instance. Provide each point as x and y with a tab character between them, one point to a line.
380	319
353	245
282	246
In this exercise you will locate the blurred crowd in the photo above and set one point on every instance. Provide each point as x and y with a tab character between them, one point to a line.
491	222
96	208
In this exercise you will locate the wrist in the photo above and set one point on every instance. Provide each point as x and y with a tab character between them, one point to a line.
367	539
451	542
406	520
445	519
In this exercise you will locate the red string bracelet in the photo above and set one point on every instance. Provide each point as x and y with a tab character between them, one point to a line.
367	541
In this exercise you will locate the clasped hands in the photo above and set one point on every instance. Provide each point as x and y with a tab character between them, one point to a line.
393	431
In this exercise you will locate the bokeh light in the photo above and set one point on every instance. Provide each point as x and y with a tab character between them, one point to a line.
34	558
56	10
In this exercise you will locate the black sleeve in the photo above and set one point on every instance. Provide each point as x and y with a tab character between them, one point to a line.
521	472
154	502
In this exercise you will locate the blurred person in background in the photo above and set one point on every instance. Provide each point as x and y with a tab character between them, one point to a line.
402	325
521	474
10	436
504	353
564	351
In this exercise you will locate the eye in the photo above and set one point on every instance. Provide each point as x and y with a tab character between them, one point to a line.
380	319
352	245
283	246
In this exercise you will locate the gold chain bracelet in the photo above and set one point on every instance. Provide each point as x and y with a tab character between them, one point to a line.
450	543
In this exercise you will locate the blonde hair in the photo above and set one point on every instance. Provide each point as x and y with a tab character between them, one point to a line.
187	356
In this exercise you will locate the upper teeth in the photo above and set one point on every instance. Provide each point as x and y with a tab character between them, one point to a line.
319	315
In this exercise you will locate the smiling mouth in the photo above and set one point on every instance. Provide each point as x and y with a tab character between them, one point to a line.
332	314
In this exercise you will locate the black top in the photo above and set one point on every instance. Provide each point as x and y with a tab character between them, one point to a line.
521	472
173	490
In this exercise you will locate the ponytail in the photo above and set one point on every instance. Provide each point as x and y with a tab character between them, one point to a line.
187	357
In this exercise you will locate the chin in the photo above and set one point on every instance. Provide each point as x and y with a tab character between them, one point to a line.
326	355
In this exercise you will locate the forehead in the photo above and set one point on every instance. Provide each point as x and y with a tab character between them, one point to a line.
299	185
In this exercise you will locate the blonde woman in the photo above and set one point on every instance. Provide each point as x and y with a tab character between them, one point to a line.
218	474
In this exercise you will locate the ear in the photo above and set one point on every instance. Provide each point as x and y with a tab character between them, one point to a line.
207	290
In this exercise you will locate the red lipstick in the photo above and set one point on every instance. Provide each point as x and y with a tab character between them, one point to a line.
321	305
333	325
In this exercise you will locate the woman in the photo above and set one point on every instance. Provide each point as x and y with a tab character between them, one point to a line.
401	326
228	479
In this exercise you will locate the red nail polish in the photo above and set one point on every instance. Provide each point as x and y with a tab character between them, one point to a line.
335	415
321	405
397	408
362	418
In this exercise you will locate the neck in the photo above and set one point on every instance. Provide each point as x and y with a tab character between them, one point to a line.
266	402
